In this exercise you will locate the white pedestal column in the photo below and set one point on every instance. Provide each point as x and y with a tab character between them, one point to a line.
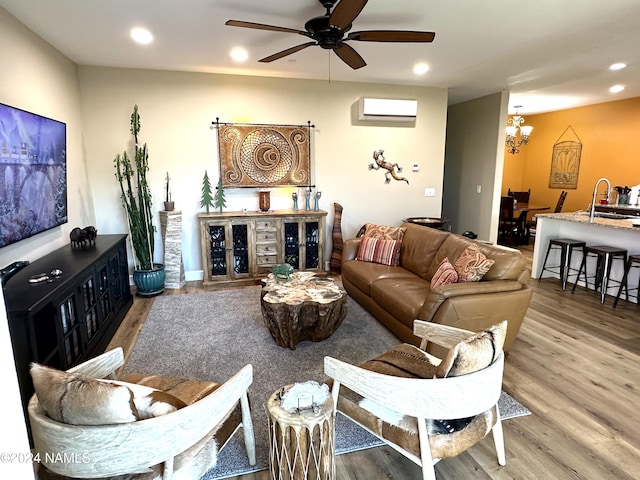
171	230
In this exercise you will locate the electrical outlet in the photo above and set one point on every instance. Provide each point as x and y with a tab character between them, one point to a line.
478	188
430	192
416	167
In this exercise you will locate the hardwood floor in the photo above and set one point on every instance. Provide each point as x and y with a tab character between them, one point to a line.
574	365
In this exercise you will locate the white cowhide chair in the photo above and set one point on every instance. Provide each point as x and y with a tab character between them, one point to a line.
396	397
180	444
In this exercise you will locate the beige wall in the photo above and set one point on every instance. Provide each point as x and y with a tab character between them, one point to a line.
475	156
177	110
37	78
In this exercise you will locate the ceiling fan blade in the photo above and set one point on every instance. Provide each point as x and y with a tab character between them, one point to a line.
286	52
346	12
349	56
391	36
261	26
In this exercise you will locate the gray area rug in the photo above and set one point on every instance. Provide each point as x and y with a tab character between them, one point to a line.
210	336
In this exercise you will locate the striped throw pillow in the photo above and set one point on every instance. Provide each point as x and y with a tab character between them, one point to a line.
378	250
445	274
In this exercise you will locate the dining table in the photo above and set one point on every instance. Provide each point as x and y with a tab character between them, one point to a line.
520	212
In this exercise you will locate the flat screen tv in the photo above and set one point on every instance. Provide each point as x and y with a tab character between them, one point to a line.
33	174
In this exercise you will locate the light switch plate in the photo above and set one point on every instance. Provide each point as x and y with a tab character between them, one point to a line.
430	192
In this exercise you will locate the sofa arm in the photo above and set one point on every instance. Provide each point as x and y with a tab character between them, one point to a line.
350	249
438	295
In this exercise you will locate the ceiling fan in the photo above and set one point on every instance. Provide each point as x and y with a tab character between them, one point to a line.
329	31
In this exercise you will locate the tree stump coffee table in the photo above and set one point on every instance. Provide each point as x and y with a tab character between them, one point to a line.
304	308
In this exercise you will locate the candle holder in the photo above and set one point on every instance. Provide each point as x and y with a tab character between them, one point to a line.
307	199
294	196
316	200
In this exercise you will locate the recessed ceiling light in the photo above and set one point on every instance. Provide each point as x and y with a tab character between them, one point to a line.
616	89
239	54
141	35
617	66
420	68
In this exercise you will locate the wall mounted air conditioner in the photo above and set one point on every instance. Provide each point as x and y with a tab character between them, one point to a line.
387	110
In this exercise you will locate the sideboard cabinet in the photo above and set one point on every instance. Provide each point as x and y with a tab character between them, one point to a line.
73	316
238	247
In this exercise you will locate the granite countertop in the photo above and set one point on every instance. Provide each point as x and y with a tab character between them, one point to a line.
583	217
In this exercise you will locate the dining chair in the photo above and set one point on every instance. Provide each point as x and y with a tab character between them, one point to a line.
531	225
508	224
520	197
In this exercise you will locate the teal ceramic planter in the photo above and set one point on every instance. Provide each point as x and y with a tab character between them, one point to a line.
149	282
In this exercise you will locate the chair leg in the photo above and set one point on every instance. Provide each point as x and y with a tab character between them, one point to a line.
247	429
167	473
583	264
428	472
627	267
544	265
498	440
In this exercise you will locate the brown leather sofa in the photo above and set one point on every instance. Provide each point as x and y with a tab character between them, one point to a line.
397	295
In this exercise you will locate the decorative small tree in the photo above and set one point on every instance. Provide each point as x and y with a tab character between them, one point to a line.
207	199
218	199
136	197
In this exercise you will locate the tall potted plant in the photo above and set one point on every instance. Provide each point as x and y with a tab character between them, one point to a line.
136	200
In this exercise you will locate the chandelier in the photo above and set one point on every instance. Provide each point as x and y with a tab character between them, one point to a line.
515	123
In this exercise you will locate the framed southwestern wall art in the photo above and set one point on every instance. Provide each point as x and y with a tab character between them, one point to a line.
565	161
264	155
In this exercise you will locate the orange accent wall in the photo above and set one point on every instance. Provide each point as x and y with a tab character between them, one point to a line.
609	133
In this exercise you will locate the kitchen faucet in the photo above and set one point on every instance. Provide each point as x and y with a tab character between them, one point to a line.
595	192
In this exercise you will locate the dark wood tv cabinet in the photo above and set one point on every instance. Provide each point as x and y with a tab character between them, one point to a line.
73	317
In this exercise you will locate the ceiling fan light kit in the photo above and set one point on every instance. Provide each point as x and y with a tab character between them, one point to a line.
329	31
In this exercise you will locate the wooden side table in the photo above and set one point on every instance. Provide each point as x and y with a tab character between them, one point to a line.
302	444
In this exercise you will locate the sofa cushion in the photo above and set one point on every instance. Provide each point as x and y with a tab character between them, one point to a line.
363	274
419	247
472	265
379	250
445	274
403	297
509	262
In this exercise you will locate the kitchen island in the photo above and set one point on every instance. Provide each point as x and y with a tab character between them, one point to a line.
616	232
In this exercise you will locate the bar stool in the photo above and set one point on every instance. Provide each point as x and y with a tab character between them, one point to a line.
632	262
566	246
605	255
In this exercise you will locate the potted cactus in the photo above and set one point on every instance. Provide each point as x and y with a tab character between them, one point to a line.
131	174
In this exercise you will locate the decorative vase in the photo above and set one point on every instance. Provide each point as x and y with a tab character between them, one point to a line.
265	201
294	196
169	206
316	200
149	282
307	199
335	263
